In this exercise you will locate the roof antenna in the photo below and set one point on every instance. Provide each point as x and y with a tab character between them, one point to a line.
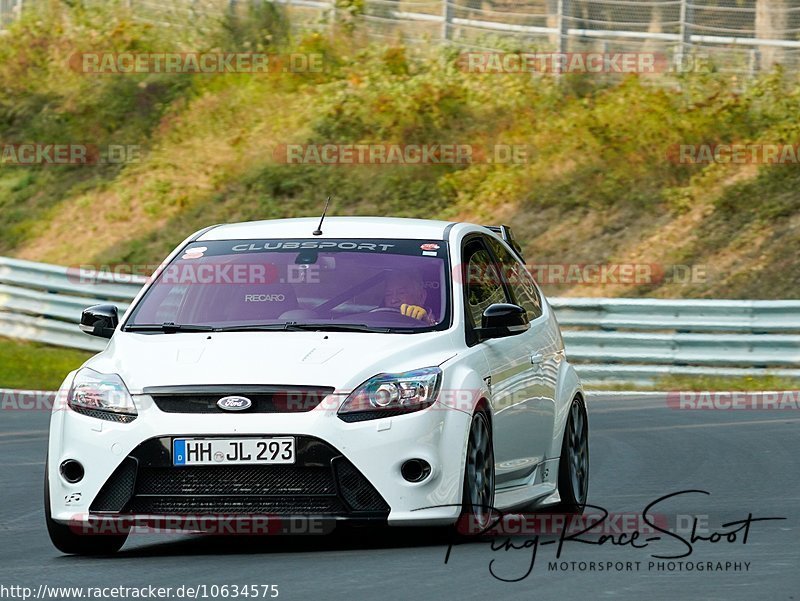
318	231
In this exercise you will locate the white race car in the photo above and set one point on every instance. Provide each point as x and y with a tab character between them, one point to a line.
404	371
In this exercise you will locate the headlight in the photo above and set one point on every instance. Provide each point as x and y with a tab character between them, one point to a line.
101	395
392	394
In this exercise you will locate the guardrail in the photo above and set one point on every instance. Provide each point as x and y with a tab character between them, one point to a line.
43	302
608	339
696	315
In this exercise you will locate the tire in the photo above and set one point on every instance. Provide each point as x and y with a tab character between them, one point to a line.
478	493
67	541
573	467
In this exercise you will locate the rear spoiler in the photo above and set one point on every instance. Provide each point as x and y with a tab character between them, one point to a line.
504	231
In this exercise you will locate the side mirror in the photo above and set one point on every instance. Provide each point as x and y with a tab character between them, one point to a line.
503	319
100	320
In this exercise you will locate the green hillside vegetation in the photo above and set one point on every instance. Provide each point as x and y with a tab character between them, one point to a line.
597	186
34	366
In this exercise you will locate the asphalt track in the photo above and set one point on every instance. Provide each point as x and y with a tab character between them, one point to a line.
640	450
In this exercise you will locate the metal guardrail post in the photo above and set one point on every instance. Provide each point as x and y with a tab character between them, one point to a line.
685	32
447	14
563	26
754	64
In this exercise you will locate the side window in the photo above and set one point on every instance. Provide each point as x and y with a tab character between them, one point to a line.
519	280
483	285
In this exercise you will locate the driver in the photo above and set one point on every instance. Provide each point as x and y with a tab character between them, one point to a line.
406	292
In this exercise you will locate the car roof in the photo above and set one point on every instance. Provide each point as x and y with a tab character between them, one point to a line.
332	227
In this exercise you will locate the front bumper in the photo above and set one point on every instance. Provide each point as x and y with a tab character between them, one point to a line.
343	470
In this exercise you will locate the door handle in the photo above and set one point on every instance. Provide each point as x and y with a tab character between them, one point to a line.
537	359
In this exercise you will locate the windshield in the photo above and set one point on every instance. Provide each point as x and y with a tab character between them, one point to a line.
358	284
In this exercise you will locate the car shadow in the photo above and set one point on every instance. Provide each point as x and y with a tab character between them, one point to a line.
343	538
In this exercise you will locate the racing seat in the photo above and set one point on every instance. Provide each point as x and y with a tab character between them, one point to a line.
246	302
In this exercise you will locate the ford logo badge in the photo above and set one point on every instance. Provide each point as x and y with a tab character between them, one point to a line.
234	403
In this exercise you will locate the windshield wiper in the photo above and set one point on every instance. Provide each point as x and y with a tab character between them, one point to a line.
168	328
336	327
289	326
292	326
269	327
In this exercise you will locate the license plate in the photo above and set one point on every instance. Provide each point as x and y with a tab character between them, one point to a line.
218	451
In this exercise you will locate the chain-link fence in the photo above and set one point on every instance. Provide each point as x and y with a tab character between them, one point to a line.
738	36
9	10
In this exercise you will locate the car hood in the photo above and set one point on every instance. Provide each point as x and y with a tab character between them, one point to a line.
339	359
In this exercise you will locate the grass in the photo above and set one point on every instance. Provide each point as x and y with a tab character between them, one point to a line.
35	366
748	383
703	383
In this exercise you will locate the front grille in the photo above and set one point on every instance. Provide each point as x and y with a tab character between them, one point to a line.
355	489
235	480
265	399
224	505
118	490
321	482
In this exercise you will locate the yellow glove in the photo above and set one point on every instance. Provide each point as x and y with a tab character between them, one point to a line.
414	311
